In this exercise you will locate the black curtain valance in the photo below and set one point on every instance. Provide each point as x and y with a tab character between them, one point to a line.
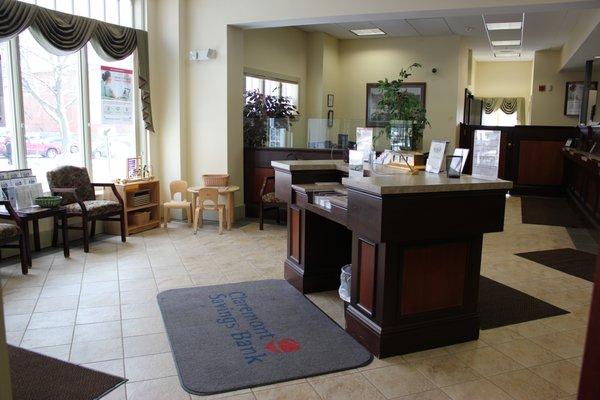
63	34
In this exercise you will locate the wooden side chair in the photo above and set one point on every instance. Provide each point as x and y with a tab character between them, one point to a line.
79	199
208	199
268	200
175	188
11	233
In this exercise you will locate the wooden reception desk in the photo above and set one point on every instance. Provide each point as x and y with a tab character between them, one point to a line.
414	242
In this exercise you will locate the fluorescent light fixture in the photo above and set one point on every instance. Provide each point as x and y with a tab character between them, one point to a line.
507	54
367	32
500	26
506	42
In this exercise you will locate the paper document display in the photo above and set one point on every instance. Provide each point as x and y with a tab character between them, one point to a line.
486	154
437	152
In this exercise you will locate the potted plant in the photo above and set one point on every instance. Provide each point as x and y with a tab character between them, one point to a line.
406	118
265	115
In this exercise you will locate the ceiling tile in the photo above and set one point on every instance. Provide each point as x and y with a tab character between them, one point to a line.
397	27
430	26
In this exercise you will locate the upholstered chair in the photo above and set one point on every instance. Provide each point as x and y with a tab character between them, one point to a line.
79	199
11	233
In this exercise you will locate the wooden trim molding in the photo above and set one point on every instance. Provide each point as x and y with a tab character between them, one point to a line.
295	233
367	272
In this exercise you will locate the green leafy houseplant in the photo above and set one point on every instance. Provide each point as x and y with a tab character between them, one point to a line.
257	111
396	104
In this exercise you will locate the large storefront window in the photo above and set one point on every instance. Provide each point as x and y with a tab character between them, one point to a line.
7	123
47	98
51	106
112	116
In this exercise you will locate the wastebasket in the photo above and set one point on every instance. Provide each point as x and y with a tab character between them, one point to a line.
345	277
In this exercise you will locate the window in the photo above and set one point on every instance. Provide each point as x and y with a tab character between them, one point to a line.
499	118
7	124
51	107
273	87
118	12
49	97
112	117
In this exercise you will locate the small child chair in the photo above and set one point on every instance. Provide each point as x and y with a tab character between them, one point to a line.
208	199
181	203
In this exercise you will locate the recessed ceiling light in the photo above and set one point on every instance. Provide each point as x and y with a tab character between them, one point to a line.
499	26
507	54
506	42
367	32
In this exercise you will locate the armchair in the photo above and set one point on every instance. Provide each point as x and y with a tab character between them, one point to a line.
268	200
10	233
79	200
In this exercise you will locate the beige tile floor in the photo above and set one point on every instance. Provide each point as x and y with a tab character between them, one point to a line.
99	310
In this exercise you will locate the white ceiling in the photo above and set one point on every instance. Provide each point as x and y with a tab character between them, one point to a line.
542	30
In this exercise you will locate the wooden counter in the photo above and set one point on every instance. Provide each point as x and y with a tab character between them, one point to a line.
414	242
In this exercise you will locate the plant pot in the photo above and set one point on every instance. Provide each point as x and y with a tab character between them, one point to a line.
401	135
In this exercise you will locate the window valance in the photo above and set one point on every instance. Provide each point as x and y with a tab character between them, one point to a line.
508	105
63	34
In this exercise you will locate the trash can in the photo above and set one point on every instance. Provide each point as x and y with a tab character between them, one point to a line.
345	277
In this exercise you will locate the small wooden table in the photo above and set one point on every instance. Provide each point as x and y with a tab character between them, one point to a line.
34	214
228	192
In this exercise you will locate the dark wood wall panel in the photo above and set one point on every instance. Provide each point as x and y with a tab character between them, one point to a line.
540	163
367	270
295	233
434	269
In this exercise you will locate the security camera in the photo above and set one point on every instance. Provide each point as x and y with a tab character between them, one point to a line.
434	70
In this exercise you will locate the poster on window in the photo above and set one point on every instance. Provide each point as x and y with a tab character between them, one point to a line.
2	114
116	88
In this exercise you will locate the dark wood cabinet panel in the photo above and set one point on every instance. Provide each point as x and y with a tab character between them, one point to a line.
540	163
433	277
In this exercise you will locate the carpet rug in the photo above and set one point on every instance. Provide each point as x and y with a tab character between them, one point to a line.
242	335
554	211
570	261
38	377
501	305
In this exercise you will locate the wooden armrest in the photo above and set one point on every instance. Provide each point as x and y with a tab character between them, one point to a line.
114	190
11	210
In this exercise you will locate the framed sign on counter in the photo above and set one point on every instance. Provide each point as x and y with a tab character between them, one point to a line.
486	154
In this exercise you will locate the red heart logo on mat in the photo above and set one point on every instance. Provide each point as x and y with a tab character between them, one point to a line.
286	345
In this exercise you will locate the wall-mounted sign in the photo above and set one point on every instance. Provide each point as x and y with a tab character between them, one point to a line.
116	88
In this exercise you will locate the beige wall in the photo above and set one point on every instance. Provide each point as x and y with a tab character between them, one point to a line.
505	79
547	108
280	53
191	99
369	60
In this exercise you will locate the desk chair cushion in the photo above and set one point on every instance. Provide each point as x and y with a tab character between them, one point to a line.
69	176
95	207
270	198
8	231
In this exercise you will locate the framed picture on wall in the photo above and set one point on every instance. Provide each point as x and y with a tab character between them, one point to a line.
373	120
574	97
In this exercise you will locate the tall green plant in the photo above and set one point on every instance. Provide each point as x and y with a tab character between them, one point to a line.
396	104
257	111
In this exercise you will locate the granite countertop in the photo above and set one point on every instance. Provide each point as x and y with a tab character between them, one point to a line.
394	181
